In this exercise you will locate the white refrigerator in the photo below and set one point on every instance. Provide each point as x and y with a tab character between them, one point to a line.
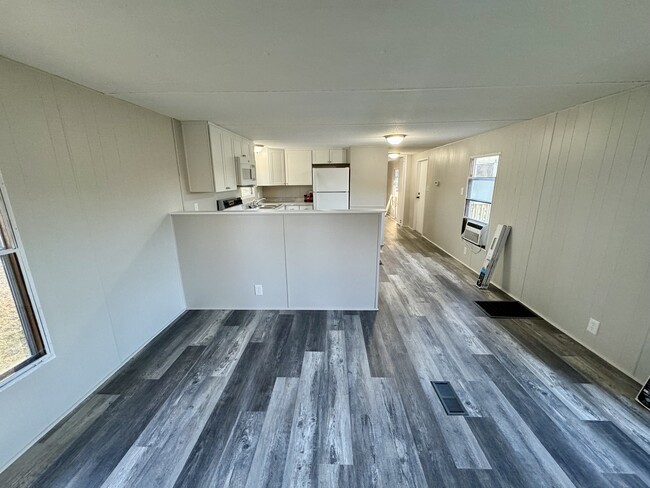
331	187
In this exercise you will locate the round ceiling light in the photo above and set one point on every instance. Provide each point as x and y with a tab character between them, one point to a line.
393	155
258	148
395	139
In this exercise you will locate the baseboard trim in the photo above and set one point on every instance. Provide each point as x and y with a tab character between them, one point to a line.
558	327
92	390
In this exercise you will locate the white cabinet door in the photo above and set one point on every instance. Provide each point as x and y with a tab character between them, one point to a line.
198	158
298	167
338	156
276	167
262	166
321	156
230	175
216	147
236	146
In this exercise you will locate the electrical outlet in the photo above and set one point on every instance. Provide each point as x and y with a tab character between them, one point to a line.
259	290
593	326
196	207
465	250
462	191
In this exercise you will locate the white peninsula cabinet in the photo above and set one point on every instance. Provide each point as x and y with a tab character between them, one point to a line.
329	156
210	156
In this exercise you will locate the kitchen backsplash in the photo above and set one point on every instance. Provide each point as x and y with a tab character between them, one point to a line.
283	193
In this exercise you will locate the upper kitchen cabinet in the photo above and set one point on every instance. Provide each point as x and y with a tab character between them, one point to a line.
298	167
329	156
210	156
277	174
262	164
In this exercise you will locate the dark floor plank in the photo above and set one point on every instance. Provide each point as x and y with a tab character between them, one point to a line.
94	455
267	467
381	365
616	440
300	468
501	455
36	460
335	443
625	480
579	467
235	463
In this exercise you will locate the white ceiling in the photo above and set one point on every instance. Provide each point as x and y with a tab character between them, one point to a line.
340	72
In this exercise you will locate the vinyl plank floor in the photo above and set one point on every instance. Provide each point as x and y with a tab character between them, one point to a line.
282	398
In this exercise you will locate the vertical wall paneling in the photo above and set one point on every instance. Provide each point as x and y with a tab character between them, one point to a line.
91	181
575	186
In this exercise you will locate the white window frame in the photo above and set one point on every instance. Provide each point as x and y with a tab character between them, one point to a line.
18	250
470	178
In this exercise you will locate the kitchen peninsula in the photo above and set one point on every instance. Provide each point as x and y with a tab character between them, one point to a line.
280	259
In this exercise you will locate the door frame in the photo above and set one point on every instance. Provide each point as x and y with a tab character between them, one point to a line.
420	194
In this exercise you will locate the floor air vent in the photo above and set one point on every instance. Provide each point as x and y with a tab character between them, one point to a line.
506	309
448	398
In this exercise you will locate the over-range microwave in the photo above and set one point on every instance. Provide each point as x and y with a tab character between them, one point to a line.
246	175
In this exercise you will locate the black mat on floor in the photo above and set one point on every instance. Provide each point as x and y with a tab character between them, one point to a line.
505	309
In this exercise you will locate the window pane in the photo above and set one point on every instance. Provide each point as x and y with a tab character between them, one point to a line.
478	211
14	348
484	166
480	190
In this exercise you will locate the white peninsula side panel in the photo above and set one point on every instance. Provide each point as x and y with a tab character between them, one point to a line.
223	257
333	260
302	260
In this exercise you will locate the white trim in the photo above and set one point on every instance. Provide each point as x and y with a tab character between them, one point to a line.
31	293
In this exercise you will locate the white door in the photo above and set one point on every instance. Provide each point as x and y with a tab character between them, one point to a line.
331	201
331	179
420	195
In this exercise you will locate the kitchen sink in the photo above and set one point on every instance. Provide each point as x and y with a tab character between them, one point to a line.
270	206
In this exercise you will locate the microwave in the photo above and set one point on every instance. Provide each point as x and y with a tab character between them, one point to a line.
245	171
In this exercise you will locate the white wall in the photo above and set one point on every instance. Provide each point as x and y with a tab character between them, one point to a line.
312	260
575	186
368	176
91	181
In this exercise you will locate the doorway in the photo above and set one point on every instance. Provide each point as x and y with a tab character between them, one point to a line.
420	194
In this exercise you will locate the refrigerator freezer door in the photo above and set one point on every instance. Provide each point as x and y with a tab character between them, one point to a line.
331	201
331	179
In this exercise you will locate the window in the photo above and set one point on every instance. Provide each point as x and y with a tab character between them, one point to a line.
21	341
480	188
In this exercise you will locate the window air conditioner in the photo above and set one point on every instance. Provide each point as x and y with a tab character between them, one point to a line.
475	233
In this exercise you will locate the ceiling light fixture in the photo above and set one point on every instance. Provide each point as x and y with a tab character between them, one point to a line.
395	139
393	155
258	148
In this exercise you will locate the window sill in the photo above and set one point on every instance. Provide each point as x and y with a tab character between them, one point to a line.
27	370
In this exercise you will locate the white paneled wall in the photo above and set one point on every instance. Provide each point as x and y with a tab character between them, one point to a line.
575	186
91	181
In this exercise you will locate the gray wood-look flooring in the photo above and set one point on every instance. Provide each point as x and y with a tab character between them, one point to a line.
268	398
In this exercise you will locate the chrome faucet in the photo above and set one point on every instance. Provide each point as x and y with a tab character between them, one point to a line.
256	203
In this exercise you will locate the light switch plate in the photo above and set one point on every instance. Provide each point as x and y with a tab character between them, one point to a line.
462	191
259	290
593	326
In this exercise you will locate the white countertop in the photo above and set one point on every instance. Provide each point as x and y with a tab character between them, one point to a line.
257	211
